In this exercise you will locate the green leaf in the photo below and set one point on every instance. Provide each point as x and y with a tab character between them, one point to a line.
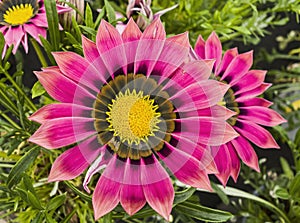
297	138
183	195
76	28
295	185
220	193
48	49
2	43
56	202
49	219
21	166
89	16
286	168
281	193
38	218
34	201
37	90
52	18
110	12
203	213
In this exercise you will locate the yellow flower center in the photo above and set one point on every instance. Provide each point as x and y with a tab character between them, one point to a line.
19	14
133	117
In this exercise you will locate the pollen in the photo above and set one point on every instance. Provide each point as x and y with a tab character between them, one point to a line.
133	117
19	14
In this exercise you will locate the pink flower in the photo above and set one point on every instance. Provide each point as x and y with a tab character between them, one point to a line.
251	112
130	104
19	17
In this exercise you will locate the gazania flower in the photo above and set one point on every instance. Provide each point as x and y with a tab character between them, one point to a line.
251	112
21	17
132	106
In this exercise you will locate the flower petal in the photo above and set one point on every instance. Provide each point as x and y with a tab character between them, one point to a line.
235	162
261	115
53	111
157	186
35	31
256	134
223	162
200	47
132	195
246	152
213	49
60	132
14	35
227	58
107	192
255	102
74	161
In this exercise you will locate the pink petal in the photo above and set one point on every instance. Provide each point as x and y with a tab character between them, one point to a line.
149	48
157	186
110	46
256	134
40	20
207	131
174	53
90	50
79	70
238	67
227	58
25	43
132	195
213	49
14	35
63	9
185	167
255	102
60	132
249	81
199	95
74	161
199	69
53	111
35	31
235	162
261	115
252	93
200	47
107	192
246	152
63	89
223	161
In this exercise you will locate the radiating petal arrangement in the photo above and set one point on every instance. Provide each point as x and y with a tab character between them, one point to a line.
133	106
20	18
251	111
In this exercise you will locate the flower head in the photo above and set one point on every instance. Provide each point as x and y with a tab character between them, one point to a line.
21	17
133	105
251	112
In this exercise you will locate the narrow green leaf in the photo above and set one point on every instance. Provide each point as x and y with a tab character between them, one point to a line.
69	216
203	213
297	138
2	43
295	185
89	30
76	28
110	12
56	202
183	195
21	166
38	218
48	49
99	17
281	193
49	219
37	90
286	168
220	193
34	201
88	16
78	192
52	18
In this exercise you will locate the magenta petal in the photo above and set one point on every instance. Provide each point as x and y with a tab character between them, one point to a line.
79	70
200	47
53	111
199	69
107	192
90	50
154	31
40	20
185	167
235	162
132	195
246	152
62	88
238	67
256	134
35	31
207	131
223	161
14	35
227	58
213	49
56	133
261	115
74	161
249	81
131	32
255	102
157	186
252	93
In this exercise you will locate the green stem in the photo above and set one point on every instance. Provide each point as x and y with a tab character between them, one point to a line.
19	90
39	52
10	121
